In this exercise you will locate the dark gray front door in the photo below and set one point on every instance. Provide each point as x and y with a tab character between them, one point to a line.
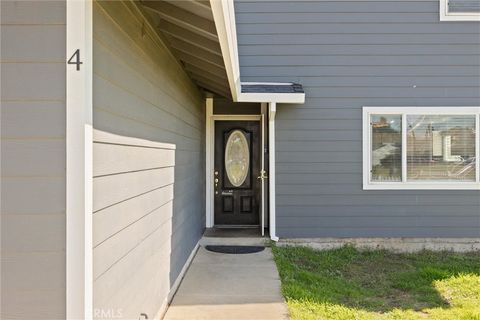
237	166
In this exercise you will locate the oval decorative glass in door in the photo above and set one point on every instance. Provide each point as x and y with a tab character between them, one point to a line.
237	158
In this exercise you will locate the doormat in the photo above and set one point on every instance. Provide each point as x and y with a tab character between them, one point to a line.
235	249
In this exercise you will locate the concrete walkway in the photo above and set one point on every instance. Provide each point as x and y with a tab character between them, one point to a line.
229	286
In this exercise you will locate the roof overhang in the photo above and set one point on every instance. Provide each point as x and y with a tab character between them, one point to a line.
202	36
187	29
224	17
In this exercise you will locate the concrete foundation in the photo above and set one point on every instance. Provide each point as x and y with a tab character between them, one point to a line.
392	244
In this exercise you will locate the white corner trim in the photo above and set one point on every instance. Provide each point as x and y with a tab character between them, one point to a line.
168	299
79	261
415	185
224	16
445	15
272	110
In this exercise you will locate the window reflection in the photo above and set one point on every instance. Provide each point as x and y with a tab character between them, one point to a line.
441	147
386	147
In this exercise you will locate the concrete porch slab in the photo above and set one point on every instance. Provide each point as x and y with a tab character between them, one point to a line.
229	286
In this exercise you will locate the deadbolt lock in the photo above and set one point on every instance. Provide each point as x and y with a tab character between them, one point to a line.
263	175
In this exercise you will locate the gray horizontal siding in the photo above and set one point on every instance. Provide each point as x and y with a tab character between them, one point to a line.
348	54
147	196
273	7
33	160
352	28
355	49
356	70
360	39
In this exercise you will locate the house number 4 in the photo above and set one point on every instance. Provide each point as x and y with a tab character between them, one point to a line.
75	59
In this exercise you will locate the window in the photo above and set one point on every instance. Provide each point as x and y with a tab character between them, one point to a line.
421	148
459	10
386	147
237	158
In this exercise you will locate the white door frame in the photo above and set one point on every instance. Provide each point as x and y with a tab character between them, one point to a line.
272	111
210	155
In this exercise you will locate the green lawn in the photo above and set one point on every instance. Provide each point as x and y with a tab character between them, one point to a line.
351	284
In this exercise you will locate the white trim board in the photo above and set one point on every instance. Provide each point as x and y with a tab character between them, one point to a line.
445	15
111	138
209	156
272	110
79	260
404	184
209	163
224	17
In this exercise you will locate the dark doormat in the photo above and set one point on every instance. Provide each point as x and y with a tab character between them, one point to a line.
235	249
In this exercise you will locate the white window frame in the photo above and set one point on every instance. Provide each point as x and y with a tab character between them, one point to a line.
445	15
416	185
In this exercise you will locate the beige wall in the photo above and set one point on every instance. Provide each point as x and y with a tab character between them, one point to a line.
148	198
33	159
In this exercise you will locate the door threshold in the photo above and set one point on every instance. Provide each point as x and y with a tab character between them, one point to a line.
233	232
233	236
237	226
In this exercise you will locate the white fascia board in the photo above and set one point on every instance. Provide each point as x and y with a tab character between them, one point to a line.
253	83
224	17
272	97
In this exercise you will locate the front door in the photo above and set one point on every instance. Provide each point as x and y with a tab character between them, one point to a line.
237	166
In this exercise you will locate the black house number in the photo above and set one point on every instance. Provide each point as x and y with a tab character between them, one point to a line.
77	61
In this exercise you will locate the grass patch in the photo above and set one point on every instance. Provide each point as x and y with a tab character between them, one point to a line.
350	284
